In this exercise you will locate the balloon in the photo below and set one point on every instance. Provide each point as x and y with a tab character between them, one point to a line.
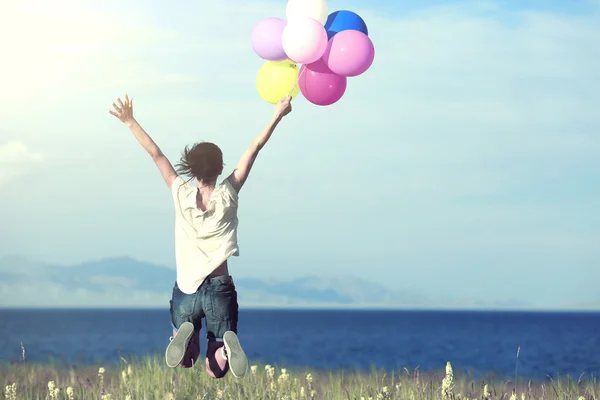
319	85
266	39
344	20
304	40
349	53
276	79
315	9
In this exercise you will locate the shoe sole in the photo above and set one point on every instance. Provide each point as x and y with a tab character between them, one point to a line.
238	362
176	349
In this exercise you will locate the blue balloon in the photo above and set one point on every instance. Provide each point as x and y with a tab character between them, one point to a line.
344	20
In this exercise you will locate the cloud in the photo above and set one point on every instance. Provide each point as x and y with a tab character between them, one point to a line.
16	159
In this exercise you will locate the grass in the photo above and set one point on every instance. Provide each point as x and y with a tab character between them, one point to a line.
151	379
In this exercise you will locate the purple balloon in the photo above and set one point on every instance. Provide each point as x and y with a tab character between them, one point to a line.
319	85
266	39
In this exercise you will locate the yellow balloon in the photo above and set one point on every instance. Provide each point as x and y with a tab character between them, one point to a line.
276	79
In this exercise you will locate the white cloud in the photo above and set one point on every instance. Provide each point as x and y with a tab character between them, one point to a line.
16	159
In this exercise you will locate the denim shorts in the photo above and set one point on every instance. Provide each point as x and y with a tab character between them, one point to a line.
215	300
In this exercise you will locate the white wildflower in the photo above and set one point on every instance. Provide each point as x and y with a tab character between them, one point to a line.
448	382
10	392
486	392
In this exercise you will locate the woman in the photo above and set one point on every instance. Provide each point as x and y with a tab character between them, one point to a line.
205	237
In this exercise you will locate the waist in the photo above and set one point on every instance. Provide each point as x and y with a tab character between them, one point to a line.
221	270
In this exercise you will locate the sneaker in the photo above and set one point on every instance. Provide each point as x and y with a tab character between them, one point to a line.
177	348
238	362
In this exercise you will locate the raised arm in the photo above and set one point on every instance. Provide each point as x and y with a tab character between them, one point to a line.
242	170
124	112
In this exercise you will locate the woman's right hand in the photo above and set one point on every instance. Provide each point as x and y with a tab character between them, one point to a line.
284	107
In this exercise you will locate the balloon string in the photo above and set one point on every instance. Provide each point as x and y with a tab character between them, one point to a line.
297	81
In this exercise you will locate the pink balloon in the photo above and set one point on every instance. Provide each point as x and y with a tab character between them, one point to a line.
349	53
304	40
319	85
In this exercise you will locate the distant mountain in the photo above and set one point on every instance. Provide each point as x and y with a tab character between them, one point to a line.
126	282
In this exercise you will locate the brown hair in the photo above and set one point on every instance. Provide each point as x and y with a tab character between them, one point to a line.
203	161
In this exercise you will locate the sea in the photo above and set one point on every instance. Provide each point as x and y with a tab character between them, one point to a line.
539	344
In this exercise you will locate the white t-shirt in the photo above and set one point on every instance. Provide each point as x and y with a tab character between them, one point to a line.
203	239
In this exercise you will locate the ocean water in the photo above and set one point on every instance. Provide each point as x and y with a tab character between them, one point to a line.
483	342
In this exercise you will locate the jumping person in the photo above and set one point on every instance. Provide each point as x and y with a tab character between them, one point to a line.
205	237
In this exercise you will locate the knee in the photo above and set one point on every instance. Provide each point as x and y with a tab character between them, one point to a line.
216	375
215	371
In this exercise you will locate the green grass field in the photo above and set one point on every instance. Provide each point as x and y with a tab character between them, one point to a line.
151	379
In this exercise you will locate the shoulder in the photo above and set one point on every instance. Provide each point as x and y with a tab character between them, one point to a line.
180	187
228	190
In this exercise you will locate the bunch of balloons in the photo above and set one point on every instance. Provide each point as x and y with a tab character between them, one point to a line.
330	47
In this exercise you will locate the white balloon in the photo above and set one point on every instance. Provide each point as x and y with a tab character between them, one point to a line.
315	9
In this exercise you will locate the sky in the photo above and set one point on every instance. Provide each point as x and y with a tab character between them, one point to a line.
465	160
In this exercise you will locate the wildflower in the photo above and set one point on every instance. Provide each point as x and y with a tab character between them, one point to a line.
581	398
514	396
486	392
128	397
385	394
101	376
309	378
129	370
253	369
448	382
313	394
70	393
283	377
272	386
302	393
270	371
53	391
124	376
170	396
10	392
522	396
106	396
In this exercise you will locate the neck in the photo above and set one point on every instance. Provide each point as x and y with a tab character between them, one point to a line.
204	185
